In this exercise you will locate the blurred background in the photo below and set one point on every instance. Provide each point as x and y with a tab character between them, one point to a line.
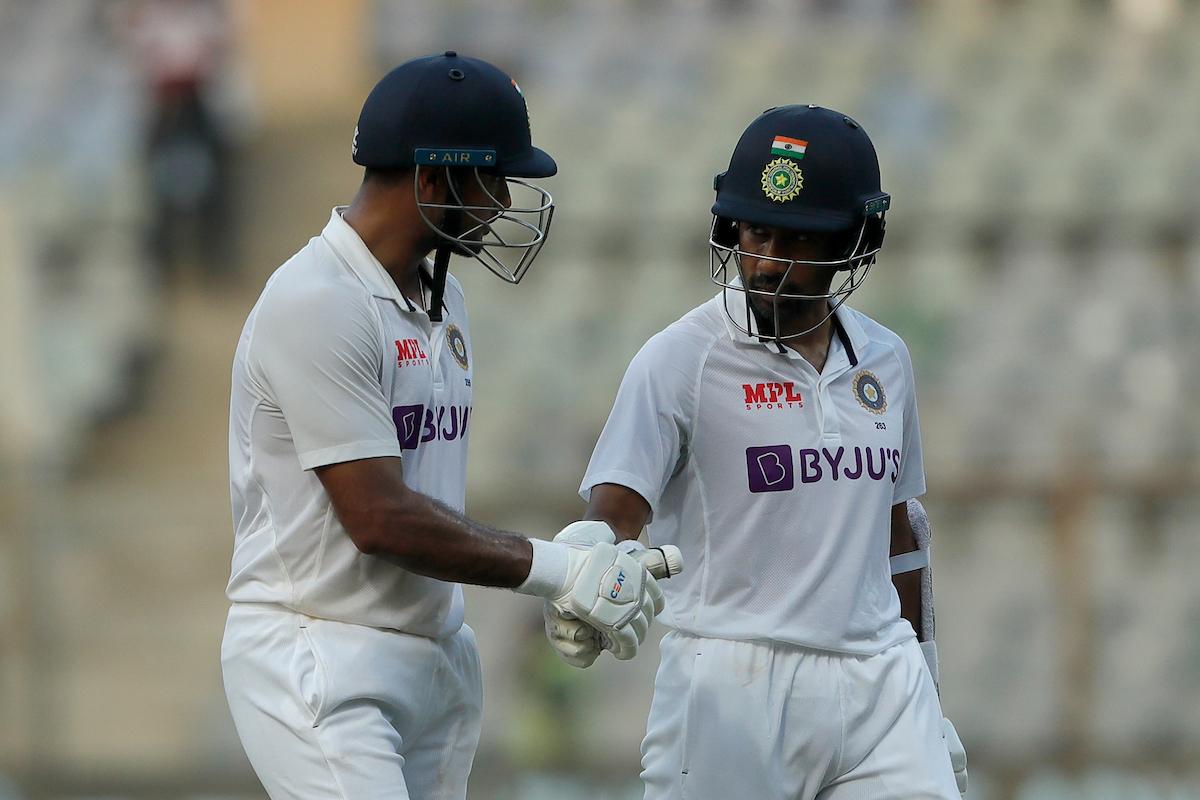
159	159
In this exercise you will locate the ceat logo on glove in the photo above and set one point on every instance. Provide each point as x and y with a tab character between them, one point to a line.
618	582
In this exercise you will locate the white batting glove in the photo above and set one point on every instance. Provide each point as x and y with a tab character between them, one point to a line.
575	641
614	593
958	755
605	588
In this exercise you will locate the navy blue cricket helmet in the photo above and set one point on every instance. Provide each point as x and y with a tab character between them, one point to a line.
467	117
449	110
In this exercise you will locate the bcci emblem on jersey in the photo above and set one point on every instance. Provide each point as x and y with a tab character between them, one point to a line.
458	345
869	392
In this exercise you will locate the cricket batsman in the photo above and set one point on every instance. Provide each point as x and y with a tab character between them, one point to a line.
772	435
347	666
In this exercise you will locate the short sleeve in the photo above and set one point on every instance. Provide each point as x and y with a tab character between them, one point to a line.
910	482
318	356
646	437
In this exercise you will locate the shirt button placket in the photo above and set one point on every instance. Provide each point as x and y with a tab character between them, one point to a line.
831	429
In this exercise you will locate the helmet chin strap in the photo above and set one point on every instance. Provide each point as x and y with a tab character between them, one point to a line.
441	266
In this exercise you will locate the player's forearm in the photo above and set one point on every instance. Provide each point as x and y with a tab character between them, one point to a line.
387	519
429	538
907	583
908	588
622	508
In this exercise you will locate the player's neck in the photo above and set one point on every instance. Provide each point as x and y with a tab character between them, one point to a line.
813	345
399	244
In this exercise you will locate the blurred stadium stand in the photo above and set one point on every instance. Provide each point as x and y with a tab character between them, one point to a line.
1043	262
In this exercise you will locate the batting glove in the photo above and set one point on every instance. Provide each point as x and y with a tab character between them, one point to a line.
601	586
575	641
958	755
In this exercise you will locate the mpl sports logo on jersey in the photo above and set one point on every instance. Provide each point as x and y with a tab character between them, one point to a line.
774	468
409	352
772	396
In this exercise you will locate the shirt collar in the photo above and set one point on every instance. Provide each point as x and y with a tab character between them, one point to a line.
346	242
849	333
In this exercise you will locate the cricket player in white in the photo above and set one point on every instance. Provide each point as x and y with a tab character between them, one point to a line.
772	434
347	666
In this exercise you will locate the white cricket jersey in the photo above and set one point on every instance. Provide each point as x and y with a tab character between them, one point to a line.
775	481
335	364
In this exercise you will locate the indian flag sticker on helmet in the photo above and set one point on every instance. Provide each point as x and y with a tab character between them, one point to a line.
781	180
787	146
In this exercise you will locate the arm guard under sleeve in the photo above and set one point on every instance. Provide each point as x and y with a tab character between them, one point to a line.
920	559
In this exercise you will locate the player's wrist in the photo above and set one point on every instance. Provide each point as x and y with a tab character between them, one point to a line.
586	532
630	546
549	570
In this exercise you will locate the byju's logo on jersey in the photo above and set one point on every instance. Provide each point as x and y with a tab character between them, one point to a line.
772	396
409	352
416	425
773	468
770	468
408	421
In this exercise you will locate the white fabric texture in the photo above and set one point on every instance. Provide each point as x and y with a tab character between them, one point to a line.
335	365
776	482
777	722
329	710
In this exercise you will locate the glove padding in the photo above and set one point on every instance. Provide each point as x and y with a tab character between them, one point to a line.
576	642
958	755
573	641
610	591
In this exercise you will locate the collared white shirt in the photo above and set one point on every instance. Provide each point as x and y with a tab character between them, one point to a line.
335	364
776	481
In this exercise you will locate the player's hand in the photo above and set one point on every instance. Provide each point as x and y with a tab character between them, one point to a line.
575	642
958	755
612	592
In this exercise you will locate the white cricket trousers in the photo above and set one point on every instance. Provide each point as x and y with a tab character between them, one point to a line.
326	709
773	721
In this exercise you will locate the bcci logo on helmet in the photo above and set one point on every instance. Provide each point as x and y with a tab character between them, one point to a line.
781	180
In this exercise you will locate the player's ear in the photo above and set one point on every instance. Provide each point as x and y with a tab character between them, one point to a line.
432	185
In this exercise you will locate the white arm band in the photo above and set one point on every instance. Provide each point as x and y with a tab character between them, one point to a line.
910	562
548	572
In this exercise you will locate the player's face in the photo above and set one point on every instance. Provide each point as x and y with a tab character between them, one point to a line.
486	191
787	276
